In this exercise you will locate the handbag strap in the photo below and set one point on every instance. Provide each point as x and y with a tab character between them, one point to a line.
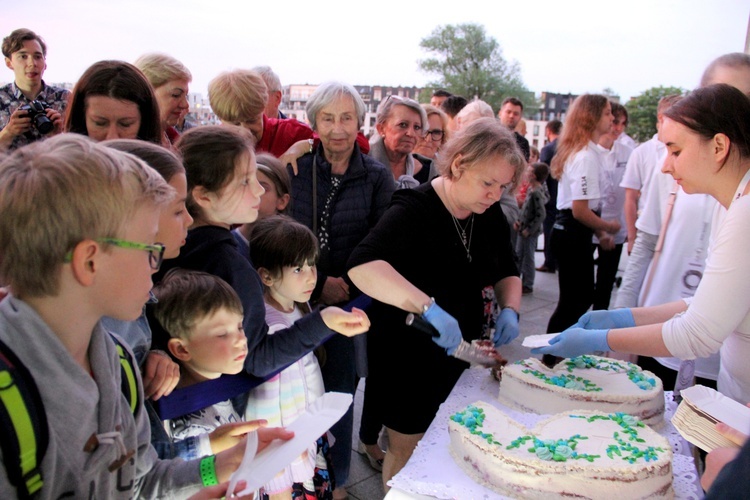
315	194
662	234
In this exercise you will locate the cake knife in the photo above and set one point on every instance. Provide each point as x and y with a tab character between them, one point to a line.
465	351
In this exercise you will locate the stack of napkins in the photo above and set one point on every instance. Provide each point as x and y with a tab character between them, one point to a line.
701	408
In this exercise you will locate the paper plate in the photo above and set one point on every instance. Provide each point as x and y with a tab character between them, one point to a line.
258	469
720	407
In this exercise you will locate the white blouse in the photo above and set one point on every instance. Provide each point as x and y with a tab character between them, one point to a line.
718	316
582	178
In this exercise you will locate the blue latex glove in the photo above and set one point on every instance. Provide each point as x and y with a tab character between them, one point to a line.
596	320
506	327
574	342
450	333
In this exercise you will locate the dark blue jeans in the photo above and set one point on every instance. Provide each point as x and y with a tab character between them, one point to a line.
340	375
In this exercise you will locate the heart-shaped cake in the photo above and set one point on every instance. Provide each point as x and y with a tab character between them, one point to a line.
583	383
579	454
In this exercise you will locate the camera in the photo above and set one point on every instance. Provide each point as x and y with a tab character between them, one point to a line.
36	110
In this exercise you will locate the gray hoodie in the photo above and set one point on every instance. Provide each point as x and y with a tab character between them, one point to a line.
79	406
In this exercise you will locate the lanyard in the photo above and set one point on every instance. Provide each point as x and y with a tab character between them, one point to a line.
742	186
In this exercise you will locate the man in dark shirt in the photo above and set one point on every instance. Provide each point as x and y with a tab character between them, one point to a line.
548	152
511	112
25	54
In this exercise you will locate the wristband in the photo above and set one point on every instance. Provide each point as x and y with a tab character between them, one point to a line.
311	142
208	471
518	313
428	305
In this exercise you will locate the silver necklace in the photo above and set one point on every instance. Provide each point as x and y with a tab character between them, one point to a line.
461	230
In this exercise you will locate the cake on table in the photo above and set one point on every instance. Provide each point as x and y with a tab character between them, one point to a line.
583	383
578	454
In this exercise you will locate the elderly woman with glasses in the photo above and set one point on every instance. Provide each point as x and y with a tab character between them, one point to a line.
340	194
434	137
401	124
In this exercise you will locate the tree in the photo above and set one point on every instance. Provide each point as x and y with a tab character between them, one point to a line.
642	111
471	64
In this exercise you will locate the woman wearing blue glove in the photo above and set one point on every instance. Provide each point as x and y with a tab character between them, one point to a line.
708	141
433	252
579	167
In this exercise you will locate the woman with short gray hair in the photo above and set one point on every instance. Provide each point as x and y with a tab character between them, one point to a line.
340	194
401	123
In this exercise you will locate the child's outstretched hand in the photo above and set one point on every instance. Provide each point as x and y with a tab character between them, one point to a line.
346	323
227	435
160	375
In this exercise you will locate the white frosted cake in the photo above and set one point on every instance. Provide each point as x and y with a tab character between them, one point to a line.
580	454
583	383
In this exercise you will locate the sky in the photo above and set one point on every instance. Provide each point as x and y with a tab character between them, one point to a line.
561	46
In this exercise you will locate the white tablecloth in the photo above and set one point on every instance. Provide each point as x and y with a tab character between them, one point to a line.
431	471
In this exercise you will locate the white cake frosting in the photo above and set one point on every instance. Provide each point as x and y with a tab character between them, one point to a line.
583	383
578	454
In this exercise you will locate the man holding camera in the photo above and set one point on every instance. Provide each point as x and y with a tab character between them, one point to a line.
29	109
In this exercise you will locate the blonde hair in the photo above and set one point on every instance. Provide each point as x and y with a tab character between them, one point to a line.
161	69
55	194
583	117
431	110
474	110
238	95
479	141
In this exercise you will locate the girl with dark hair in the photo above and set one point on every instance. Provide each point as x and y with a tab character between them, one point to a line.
113	100
578	167
285	253
707	135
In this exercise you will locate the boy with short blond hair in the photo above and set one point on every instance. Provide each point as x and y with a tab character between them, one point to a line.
77	243
202	316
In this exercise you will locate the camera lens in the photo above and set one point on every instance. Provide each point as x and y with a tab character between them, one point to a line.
43	124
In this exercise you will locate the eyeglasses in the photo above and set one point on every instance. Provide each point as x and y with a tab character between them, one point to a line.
155	251
435	134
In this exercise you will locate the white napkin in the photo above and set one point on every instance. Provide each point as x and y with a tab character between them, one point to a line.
258	469
534	341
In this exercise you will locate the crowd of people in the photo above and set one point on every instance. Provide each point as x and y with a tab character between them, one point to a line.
284	258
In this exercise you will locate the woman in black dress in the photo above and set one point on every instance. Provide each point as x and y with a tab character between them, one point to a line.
433	252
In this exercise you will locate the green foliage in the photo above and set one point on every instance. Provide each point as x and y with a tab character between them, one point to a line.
471	64
642	111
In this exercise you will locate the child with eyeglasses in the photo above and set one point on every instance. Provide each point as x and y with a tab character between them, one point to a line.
78	242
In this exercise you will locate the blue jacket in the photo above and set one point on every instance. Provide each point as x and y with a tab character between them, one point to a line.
364	195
